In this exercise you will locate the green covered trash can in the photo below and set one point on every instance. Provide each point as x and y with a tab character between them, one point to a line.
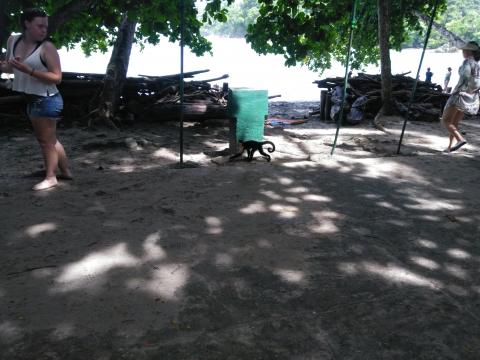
249	108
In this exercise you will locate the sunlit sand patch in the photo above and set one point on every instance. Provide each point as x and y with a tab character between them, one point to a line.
299	164
254	208
372	196
326	226
36	230
325	222
430	218
290	276
285	211
270	194
298	190
318	198
348	268
89	271
166	154
458	254
285	181
456	271
388	205
424	262
396	274
419	203
391	273
427	244
152	250
166	281
214	225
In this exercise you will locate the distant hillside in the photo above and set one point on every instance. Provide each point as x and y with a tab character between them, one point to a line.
462	18
240	14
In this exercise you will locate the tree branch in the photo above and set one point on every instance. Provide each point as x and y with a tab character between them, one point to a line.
453	38
67	11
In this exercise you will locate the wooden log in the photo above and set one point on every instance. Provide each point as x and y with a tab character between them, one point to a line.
192	111
185	75
225	76
328	107
323	100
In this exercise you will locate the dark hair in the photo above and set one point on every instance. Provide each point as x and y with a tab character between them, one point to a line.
29	15
476	55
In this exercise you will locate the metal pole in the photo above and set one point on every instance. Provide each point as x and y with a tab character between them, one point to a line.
353	24
415	83
182	88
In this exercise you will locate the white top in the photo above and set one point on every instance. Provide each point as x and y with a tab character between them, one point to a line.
469	77
26	83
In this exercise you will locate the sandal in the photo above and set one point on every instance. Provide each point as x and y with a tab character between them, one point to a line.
44	185
458	145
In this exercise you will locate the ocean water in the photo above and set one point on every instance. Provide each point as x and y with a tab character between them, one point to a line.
248	69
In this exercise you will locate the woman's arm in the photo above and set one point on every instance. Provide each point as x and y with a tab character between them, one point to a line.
464	73
50	55
4	65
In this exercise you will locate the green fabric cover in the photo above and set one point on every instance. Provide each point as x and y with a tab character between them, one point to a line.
249	107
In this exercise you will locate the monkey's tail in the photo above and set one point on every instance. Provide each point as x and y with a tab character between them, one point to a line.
271	149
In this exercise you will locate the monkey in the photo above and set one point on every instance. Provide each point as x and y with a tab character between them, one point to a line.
252	146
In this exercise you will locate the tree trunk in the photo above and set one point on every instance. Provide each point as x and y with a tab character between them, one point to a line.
386	71
116	71
453	38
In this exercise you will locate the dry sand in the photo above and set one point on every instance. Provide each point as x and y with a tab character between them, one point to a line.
363	255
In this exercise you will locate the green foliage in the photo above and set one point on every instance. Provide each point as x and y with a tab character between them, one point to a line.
314	32
462	18
241	14
95	28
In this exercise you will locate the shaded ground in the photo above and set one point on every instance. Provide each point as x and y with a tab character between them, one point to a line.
364	255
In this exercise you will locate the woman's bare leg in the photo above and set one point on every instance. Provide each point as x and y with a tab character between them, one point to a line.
62	160
458	117
450	141
45	132
447	119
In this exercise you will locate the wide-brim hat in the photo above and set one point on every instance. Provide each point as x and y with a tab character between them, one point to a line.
471	45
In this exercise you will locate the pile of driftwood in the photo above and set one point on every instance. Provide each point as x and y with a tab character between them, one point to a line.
154	98
364	99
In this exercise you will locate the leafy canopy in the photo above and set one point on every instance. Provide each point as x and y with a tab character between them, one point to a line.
95	27
314	32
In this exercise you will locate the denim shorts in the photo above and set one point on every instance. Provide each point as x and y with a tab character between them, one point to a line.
44	106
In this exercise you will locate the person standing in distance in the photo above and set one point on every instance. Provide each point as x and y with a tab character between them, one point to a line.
446	81
428	76
35	64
